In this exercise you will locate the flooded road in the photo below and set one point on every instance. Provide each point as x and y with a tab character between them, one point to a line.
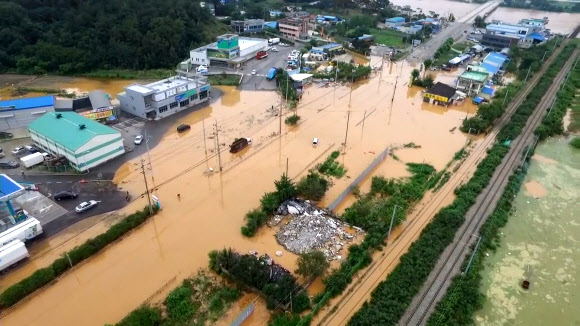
175	243
539	243
558	22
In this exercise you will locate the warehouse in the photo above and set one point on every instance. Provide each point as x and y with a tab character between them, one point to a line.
84	142
18	113
230	50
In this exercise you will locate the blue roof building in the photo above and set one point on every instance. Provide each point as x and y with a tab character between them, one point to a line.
394	22
493	62
27	103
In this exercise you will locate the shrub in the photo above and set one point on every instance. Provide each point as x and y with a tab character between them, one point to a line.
143	316
331	167
269	202
254	219
292	120
179	305
311	264
575	142
312	187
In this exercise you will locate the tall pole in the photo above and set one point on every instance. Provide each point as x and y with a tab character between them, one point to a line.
505	98
217	137
287	90
544	55
346	133
392	220
287	166
527	74
204	141
146	187
280	114
335	84
149	158
472	255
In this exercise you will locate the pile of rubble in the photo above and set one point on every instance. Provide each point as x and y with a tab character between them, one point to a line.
311	228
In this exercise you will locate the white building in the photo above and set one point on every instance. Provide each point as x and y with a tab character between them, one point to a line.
84	142
230	50
164	97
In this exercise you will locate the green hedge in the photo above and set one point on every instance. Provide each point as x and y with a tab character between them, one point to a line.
43	276
391	297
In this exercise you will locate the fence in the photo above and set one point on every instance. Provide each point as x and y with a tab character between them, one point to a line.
358	179
243	315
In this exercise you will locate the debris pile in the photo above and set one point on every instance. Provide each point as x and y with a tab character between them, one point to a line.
311	228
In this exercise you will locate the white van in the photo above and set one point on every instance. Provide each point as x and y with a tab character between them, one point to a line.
12	253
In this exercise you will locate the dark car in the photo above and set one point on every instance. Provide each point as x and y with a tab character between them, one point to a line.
183	128
9	165
65	195
4	134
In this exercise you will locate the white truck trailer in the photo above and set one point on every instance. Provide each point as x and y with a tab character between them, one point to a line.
23	231
273	41
12	253
32	159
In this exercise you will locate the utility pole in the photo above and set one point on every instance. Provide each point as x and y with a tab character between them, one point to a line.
544	55
280	114
472	255
346	133
287	166
527	74
146	187
392	220
287	90
505	98
204	141
149	158
335	84
217	137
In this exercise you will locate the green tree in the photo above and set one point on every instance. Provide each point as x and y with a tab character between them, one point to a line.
312	187
414	75
479	22
427	63
285	188
312	264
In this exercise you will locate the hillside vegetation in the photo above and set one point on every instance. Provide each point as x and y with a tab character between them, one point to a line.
68	36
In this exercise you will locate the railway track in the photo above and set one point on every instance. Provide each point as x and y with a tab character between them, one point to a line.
450	261
357	292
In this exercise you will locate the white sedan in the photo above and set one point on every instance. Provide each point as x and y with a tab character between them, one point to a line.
254	72
86	205
138	140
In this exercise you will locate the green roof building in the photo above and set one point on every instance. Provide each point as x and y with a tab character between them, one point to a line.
84	142
471	82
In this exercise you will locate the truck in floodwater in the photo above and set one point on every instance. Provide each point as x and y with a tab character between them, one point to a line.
239	144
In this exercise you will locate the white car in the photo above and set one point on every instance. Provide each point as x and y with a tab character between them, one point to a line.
86	205
254	72
18	150
138	140
274	49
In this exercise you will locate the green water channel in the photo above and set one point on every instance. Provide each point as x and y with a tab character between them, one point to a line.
541	243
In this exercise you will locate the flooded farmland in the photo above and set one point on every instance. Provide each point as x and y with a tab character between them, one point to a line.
209	214
540	244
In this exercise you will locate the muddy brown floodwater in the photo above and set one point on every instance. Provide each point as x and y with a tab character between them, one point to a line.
175	243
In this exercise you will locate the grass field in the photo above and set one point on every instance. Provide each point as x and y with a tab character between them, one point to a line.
223	79
388	37
445	57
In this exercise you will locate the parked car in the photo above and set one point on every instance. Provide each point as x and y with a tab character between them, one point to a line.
18	150
4	134
9	165
138	140
31	149
65	195
1	153
254	72
183	128
274	49
86	205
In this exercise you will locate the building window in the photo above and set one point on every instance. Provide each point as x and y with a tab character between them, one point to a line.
202	95
184	103
163	109
193	97
173	105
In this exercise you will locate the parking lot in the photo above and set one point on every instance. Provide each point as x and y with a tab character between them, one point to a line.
274	59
